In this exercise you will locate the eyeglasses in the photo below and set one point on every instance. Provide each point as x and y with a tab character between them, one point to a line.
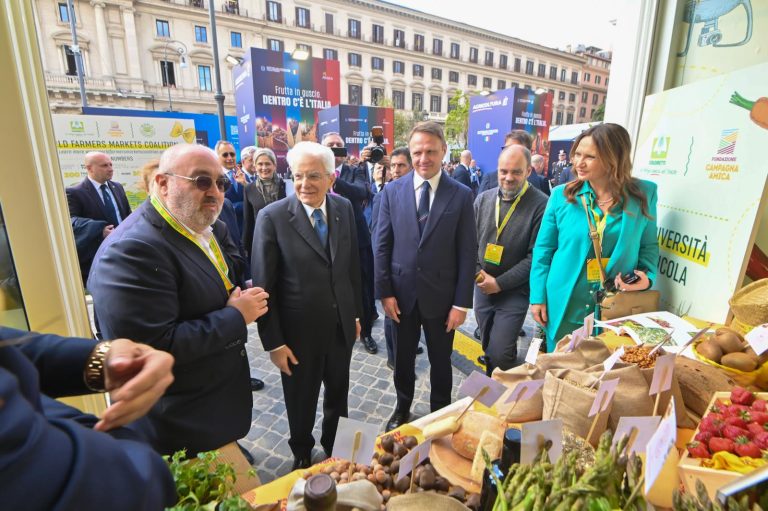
204	183
228	155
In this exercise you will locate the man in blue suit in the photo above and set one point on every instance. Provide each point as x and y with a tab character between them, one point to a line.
54	457
238	179
462	173
424	262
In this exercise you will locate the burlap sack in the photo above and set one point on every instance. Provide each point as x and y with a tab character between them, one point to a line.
523	411
567	397
588	353
631	398
425	501
681	413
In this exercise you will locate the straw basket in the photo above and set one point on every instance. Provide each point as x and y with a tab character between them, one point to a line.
750	306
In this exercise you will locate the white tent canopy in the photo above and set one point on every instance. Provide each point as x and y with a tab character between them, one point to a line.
569	131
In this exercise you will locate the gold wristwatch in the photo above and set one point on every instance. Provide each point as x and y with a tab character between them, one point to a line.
94	367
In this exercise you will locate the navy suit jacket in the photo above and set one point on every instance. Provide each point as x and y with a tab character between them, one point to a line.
436	269
541	183
353	185
461	174
55	463
490	180
153	285
235	196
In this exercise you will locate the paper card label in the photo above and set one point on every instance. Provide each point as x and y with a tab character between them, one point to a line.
644	427
758	338
576	337
661	442
355	441
609	362
603	396
411	460
534	434
589	325
475	384
662	374
525	390
533	351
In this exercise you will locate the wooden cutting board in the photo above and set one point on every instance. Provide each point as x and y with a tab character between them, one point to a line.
451	465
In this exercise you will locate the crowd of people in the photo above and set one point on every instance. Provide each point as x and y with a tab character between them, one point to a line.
306	258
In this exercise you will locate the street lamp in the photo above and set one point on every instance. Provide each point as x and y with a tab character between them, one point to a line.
182	64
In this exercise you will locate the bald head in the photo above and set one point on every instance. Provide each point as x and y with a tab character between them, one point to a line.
99	166
465	157
171	157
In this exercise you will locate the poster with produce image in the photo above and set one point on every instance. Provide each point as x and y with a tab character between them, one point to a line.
703	144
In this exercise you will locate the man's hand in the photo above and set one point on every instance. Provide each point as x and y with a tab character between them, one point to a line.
252	303
358	329
489	285
240	177
365	154
539	311
136	376
107	231
281	359
455	319
391	309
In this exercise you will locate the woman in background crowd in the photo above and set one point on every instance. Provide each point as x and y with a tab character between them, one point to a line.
266	189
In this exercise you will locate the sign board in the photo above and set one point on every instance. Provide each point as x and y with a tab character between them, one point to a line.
354	124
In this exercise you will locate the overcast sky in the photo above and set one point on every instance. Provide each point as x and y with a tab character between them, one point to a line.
553	23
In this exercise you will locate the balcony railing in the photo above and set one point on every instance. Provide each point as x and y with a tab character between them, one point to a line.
63	81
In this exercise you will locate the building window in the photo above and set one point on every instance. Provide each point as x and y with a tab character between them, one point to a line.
584	97
571	97
569	119
201	34
398	67
562	75
513	85
304	47
575	77
582	112
399	38
455	51
553	72
235	40
377	94
378	34
587	77
377	63
542	70
489	58
561	96
472	80
437	46
355	94
329	54
398	99
435	103
597	79
204	77
69	61
353	29
594	99
501	85
502	62
518	63
275	45
473	55
302	17
418	70
487	83
606	82
163	28
274	11
418	42
529	67
167	74
453	76
355	60
328	23
437	73
417	101
559	118
63	12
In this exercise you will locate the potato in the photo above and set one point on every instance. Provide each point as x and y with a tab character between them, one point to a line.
473	501
740	361
728	340
710	349
458	493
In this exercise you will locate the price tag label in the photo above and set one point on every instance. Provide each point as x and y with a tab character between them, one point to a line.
758	338
413	458
643	427
603	397
533	351
662	374
661	442
355	441
473	387
609	362
534	434
525	390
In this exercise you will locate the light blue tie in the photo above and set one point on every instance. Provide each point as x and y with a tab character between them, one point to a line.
321	228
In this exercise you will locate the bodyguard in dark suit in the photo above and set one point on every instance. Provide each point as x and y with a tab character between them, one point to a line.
54	457
425	262
169	276
96	205
266	188
304	254
461	173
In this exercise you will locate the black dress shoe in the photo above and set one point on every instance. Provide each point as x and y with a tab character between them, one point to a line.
256	384
419	350
477	333
370	345
398	419
302	462
482	359
246	453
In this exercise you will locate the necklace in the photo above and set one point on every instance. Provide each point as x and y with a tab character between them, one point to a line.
605	202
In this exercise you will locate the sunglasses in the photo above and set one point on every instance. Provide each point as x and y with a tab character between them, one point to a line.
228	155
204	183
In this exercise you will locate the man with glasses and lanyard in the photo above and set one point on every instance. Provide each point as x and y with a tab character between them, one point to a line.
169	277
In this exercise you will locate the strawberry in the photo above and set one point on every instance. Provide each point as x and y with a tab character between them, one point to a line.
733	432
761	440
703	437
721	444
761	405
739	422
759	417
735	410
712	424
755	428
719	406
698	450
741	396
745	447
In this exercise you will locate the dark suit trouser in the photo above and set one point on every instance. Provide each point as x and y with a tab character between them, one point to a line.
439	349
500	317
366	281
302	389
389	338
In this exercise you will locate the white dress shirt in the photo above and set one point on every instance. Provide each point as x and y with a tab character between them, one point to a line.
310	210
434	181
97	186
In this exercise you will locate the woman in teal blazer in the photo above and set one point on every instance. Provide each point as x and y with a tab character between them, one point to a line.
624	211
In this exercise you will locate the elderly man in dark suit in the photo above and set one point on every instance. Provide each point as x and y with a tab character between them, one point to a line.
170	277
425	262
96	206
305	255
462	173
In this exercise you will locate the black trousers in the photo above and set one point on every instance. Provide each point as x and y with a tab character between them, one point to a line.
302	389
500	317
389	338
369	303
439	349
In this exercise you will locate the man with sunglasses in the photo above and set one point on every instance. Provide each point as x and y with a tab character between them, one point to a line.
228	159
169	276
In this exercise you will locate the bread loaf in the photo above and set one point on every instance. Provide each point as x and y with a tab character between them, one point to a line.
466	440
